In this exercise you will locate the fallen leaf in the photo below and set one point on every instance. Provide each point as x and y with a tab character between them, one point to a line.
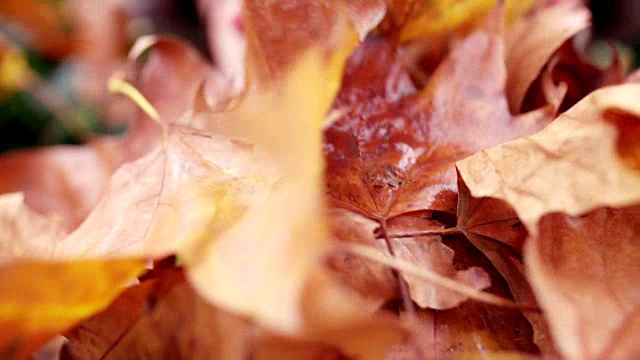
212	194
36	301
586	275
474	329
532	42
143	322
278	33
391	151
493	227
551	171
50	180
422	19
574	264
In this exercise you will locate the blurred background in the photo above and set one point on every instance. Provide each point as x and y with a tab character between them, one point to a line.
57	55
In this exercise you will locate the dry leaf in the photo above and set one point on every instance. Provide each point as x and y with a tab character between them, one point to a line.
36	300
476	330
586	274
575	265
390	153
586	158
238	201
423	19
532	42
51	181
162	318
493	227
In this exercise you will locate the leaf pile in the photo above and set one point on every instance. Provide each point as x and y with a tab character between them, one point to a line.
395	179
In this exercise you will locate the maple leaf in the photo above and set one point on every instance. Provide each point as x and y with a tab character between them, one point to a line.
214	193
35	299
578	264
493	227
532	41
143	320
62	190
548	181
390	153
557	175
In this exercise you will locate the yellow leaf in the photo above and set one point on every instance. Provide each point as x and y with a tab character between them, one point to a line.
431	18
41	296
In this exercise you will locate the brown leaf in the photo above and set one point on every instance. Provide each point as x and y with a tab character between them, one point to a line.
575	265
162	318
391	151
532	41
51	181
493	227
473	329
569	77
278	33
143	322
218	197
586	158
586	272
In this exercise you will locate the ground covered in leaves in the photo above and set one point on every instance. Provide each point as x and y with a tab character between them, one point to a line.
381	179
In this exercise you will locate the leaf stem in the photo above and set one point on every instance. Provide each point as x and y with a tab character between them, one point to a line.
404	287
449	231
117	85
434	278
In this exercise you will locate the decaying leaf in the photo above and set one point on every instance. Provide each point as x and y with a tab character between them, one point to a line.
575	264
532	42
551	171
51	182
36	299
586	274
390	153
423	19
541	232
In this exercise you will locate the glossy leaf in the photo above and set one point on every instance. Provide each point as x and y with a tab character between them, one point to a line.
391	151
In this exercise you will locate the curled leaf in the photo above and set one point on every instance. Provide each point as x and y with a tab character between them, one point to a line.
532	41
591	146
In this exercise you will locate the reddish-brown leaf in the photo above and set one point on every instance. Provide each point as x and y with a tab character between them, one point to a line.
390	153
586	275
584	160
161	318
493	227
